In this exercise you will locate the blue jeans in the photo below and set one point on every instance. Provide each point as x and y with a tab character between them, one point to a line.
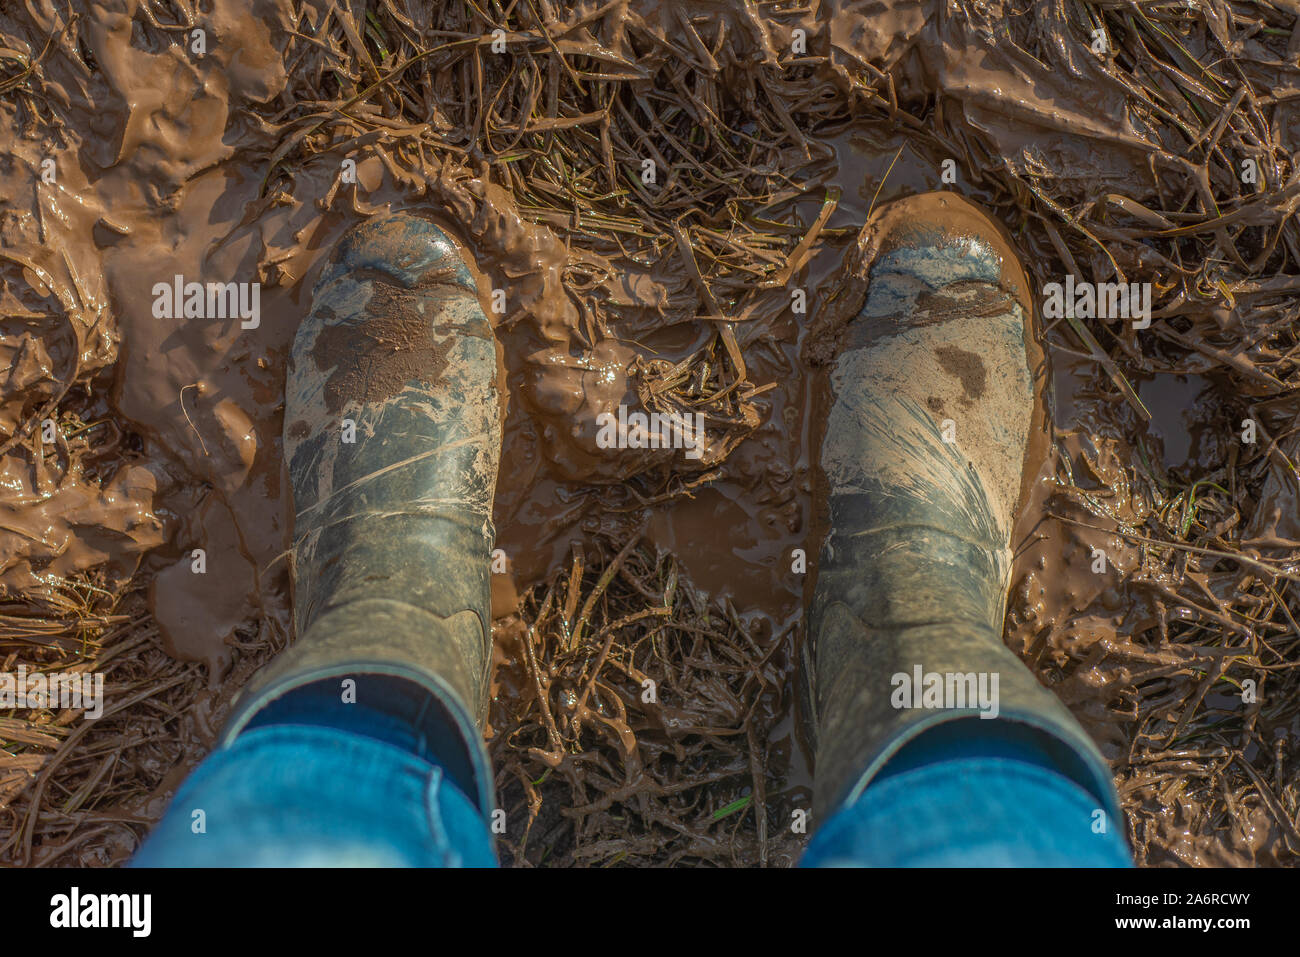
303	787
312	784
974	793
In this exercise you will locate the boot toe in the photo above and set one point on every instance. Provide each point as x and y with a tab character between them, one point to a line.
940	239
407	248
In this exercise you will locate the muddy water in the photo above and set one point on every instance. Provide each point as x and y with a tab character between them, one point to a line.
161	166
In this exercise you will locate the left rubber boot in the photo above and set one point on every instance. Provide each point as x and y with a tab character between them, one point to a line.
392	432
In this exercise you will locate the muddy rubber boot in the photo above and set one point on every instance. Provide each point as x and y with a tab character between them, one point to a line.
392	432
935	396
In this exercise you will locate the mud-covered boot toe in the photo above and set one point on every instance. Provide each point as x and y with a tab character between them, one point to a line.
409	250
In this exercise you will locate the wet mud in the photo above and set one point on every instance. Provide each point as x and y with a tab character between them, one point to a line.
774	131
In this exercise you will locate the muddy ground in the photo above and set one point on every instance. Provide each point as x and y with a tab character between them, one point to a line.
1148	142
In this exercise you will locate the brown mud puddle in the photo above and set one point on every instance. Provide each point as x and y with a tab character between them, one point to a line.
133	159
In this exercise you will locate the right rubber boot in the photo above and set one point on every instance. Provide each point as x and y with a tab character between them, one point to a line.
935	396
392	433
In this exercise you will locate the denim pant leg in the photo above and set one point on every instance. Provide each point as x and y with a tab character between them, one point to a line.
973	794
297	790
